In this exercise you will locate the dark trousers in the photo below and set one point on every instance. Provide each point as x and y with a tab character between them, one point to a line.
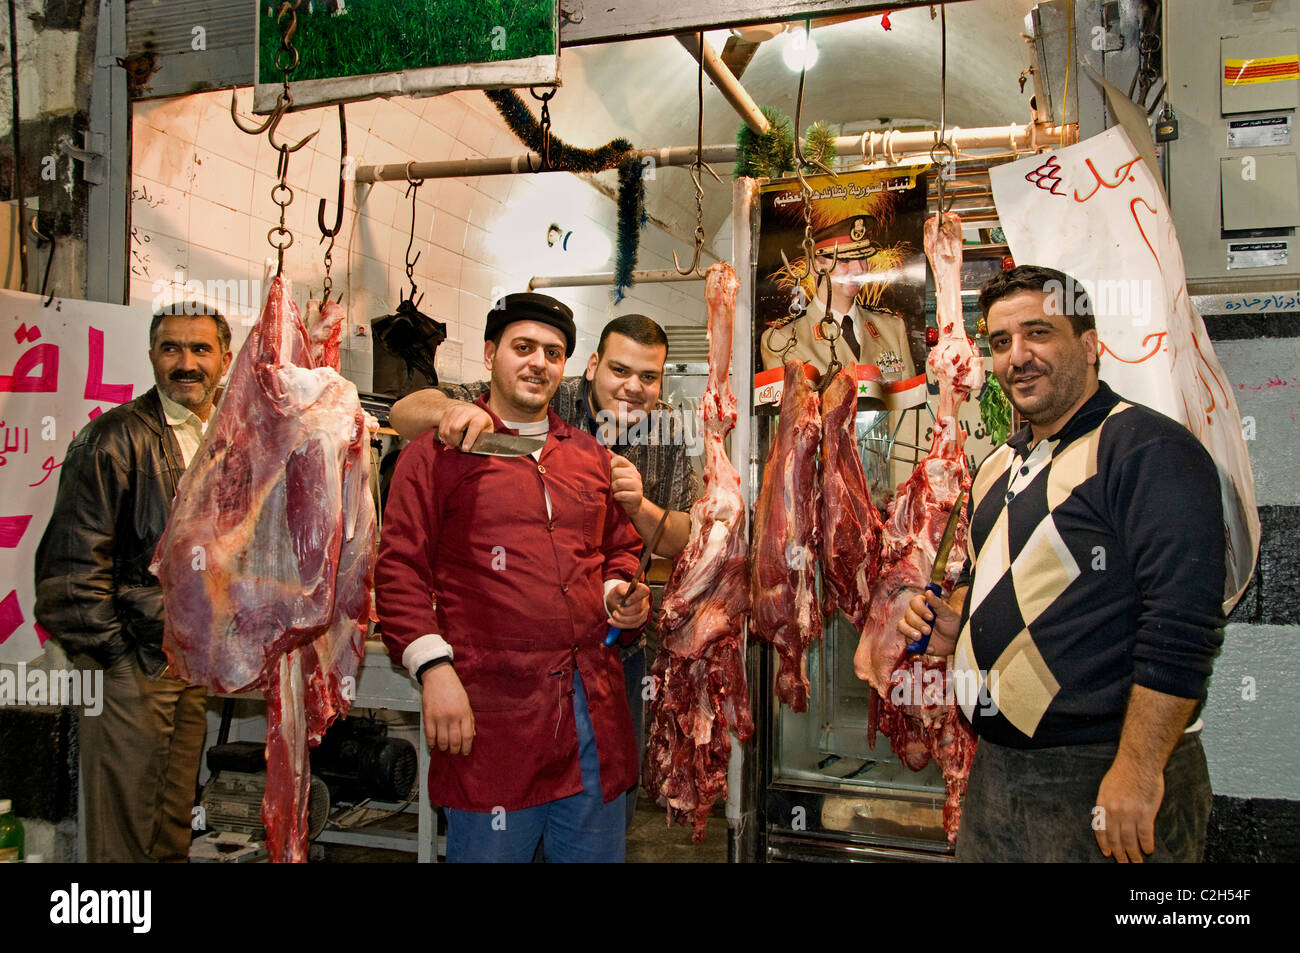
1036	805
634	675
139	764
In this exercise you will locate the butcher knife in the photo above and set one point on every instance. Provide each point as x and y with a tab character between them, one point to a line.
494	444
940	567
646	554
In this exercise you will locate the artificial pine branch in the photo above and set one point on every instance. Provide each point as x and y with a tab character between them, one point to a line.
819	145
770	154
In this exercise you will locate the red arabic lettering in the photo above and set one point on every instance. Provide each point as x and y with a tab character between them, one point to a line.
49	466
1121	174
6	447
1133	211
11	616
96	389
1157	338
12	529
23	381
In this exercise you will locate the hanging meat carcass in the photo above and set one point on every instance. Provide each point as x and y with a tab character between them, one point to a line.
268	558
851	526
787	535
924	724
700	692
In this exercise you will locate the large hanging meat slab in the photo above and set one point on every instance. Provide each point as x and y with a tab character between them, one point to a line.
922	725
700	692
851	528
787	535
268	558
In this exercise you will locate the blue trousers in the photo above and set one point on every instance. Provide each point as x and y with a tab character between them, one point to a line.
579	828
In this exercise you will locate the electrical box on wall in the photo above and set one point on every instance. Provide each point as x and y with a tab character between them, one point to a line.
1259	192
1233	72
1260	71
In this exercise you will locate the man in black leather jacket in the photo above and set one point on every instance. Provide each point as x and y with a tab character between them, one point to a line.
98	600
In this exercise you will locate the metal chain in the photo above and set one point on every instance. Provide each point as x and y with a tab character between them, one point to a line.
280	237
830	332
286	61
544	125
329	282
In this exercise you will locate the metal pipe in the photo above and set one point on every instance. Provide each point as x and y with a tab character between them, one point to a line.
511	165
901	147
607	278
726	81
744	768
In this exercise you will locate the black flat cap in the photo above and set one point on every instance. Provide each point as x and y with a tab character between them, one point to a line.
530	306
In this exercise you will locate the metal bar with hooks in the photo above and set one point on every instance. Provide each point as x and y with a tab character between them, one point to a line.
907	147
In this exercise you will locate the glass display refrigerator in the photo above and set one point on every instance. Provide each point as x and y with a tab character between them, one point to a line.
816	789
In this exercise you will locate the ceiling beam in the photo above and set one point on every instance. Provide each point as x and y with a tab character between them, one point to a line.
726	82
607	21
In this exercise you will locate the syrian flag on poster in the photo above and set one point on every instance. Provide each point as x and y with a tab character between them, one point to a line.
1095	211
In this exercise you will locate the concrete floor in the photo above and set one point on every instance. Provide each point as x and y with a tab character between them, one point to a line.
649	840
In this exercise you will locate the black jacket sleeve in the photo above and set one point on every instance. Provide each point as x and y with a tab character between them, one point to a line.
75	587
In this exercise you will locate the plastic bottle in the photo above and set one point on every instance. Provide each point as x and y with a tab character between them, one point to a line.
11	835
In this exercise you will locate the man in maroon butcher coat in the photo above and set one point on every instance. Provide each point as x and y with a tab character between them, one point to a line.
498	578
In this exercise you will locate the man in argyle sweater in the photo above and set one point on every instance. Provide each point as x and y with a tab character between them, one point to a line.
1091	613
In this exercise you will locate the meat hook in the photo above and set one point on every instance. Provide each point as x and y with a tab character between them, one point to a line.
544	152
343	152
695	168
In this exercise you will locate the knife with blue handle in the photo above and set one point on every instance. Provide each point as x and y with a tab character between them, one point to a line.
615	631
940	569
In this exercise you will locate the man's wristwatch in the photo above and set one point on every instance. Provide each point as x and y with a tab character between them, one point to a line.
432	663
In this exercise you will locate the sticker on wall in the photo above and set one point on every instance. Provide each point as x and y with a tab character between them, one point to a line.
1262	69
1257	254
1258	72
1256	133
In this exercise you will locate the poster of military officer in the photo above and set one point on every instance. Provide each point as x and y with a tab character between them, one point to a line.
866	232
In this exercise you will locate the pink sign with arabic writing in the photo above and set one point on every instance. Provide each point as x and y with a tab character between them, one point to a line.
1095	211
60	367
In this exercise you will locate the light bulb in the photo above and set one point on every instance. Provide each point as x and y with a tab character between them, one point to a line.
798	50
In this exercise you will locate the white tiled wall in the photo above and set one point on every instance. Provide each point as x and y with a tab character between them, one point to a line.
202	207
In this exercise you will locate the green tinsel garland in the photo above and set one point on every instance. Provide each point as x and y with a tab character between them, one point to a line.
769	155
819	146
567	158
631	219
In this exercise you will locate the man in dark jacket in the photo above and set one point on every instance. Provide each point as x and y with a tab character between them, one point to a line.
97	598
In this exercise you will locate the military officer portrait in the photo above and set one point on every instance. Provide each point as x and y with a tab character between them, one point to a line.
874	292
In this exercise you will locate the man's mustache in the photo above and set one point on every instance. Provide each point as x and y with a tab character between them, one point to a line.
1019	372
183	377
